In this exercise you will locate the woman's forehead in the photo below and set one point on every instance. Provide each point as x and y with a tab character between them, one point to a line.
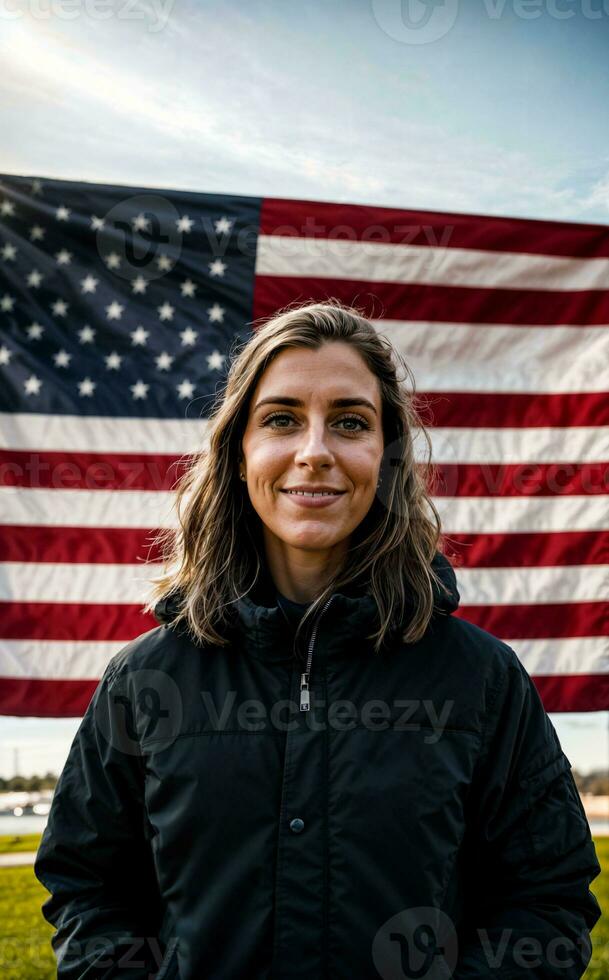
336	366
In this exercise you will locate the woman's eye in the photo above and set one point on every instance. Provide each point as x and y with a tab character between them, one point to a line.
347	418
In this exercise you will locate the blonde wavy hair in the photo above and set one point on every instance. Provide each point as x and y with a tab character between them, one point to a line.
215	554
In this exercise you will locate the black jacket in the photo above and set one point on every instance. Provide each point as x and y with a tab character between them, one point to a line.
420	817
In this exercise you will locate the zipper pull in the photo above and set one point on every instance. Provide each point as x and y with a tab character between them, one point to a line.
304	692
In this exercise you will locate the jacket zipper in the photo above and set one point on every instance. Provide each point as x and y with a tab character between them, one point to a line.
305	702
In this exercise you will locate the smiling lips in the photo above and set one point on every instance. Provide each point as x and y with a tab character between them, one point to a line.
313	498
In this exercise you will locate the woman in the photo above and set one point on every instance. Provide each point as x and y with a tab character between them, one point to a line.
311	768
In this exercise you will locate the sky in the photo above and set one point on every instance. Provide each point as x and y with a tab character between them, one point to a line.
480	106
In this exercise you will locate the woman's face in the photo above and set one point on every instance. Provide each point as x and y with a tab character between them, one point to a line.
296	438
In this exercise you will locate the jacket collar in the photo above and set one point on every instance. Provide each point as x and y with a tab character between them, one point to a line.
268	633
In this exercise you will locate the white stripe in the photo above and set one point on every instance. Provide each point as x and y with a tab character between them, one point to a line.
546	584
506	515
100	508
87	660
87	508
499	357
374	261
503	446
56	659
475	445
67	582
76	433
573	655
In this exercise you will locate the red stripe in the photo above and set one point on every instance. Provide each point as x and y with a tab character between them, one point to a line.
28	697
573	692
89	471
442	304
122	622
73	621
503	410
78	545
539	620
527	549
353	222
519	479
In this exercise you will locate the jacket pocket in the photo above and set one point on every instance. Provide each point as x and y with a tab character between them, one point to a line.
168	969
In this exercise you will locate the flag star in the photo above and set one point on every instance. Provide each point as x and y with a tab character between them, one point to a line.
7	208
62	358
166	311
34	279
5	355
164	361
114	311
62	213
86	387
112	260
223	225
216	313
139	336
34	331
36	187
214	361
32	385
139	285
64	257
140	222
36	233
6	303
217	267
89	284
139	389
188	336
9	252
188	288
184	223
97	223
59	307
164	263
113	361
186	389
86	334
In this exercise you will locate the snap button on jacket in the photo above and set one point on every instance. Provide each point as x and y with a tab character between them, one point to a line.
419	818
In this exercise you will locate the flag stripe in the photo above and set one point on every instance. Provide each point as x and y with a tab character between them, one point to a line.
430	265
497	358
73	583
93	471
122	621
497	410
82	621
112	545
528	549
70	660
520	479
121	583
539	620
417	301
320	219
106	509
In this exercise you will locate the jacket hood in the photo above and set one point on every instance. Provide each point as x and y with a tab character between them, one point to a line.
269	631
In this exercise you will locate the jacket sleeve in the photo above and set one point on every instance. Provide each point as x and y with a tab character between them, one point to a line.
95	857
529	910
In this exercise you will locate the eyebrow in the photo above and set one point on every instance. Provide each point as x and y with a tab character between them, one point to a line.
297	403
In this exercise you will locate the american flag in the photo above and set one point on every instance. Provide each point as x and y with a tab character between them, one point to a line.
119	307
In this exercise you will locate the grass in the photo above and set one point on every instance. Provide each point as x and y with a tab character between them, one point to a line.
25	936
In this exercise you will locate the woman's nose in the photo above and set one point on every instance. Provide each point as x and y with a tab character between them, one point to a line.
314	444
